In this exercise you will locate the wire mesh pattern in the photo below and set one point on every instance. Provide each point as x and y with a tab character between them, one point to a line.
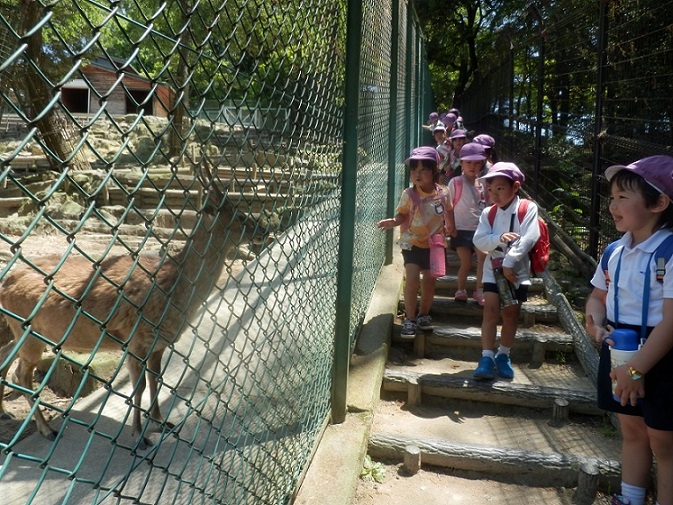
579	86
171	195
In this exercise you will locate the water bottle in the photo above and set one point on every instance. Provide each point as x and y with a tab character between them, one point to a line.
626	345
437	255
505	289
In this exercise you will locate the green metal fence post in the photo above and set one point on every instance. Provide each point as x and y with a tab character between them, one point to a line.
594	218
540	100
392	120
511	113
342	347
416	119
408	87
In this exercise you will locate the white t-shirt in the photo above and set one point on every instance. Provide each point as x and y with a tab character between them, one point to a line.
635	269
487	239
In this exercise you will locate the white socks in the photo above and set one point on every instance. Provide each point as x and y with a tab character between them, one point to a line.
634	493
504	350
501	350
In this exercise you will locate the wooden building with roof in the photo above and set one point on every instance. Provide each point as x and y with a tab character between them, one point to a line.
129	95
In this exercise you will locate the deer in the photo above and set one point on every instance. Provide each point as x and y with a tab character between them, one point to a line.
139	303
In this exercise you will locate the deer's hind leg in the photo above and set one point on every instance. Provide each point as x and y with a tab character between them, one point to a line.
24	375
153	373
29	356
137	375
5	351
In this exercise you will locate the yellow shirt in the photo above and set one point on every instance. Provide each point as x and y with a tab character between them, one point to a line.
426	218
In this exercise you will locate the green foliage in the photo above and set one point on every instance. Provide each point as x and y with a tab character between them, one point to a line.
561	358
608	429
460	41
242	50
373	472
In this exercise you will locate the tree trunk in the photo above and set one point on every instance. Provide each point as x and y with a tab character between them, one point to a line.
58	136
181	105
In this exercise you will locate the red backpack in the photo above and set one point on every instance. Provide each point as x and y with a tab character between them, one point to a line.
539	254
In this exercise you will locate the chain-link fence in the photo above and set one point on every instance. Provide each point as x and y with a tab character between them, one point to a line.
575	87
188	219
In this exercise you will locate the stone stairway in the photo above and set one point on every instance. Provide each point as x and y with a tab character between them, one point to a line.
540	429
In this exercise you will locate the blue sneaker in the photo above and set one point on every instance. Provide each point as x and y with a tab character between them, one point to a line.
486	369
504	366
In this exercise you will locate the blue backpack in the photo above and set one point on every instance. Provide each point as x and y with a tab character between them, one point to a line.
663	253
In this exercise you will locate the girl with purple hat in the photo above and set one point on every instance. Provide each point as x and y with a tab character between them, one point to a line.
469	200
489	144
421	212
458	138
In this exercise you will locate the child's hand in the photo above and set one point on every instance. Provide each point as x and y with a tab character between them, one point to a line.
510	274
451	230
627	389
508	237
386	224
599	332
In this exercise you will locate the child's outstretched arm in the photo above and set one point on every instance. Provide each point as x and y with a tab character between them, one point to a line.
390	223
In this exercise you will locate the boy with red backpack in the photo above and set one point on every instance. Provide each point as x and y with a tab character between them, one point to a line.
507	239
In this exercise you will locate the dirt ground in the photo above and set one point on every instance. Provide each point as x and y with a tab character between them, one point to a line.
437	486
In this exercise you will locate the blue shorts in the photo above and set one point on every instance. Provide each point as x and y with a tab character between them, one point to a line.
463	239
521	291
655	407
417	256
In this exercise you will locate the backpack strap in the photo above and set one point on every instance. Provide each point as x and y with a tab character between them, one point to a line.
523	208
605	258
661	257
493	209
415	203
415	197
458	189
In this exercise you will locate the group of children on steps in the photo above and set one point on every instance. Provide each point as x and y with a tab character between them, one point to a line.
640	204
458	210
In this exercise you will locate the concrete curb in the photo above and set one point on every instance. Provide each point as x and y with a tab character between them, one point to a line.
333	474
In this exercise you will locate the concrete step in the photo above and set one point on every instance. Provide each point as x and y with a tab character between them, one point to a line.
447	285
538	343
417	385
538	429
449	375
434	485
523	466
535	311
